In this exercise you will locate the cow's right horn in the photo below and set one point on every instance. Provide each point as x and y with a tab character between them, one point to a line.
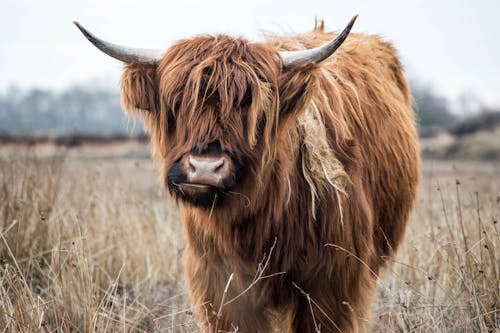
123	53
318	54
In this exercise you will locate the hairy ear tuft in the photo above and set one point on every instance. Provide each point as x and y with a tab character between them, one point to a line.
139	88
295	89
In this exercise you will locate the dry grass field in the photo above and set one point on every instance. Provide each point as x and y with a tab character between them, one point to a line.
90	242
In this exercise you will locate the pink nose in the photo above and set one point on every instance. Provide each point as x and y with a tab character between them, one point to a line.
207	170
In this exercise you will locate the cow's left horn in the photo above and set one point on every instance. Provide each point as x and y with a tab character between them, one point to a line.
318	54
123	53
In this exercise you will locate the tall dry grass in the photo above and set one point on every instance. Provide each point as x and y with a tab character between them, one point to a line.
87	247
94	246
446	275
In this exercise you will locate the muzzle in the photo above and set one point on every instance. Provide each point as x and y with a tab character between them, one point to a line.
199	177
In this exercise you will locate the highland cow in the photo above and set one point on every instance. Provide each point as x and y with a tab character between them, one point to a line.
287	159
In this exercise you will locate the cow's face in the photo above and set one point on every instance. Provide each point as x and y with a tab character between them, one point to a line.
212	113
215	105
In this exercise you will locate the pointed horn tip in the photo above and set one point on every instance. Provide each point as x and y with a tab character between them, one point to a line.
81	28
354	18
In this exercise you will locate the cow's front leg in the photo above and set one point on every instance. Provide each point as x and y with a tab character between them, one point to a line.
325	306
219	302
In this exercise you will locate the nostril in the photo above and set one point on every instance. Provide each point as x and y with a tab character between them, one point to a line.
191	166
219	166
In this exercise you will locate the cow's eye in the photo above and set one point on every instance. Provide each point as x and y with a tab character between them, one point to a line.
174	109
246	101
172	113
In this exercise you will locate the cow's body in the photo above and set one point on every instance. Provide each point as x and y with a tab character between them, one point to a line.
327	175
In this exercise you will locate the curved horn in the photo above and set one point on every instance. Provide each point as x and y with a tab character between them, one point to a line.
123	53
318	54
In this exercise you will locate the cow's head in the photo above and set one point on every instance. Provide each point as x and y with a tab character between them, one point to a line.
214	106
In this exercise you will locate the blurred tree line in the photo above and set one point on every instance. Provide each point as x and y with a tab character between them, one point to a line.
76	109
435	112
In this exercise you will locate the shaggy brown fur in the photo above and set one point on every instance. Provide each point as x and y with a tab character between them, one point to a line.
330	176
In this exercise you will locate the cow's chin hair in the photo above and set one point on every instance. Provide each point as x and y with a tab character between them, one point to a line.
207	200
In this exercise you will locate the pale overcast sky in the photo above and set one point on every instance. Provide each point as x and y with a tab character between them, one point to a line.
453	44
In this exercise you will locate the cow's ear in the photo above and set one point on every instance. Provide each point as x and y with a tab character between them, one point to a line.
139	87
295	89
